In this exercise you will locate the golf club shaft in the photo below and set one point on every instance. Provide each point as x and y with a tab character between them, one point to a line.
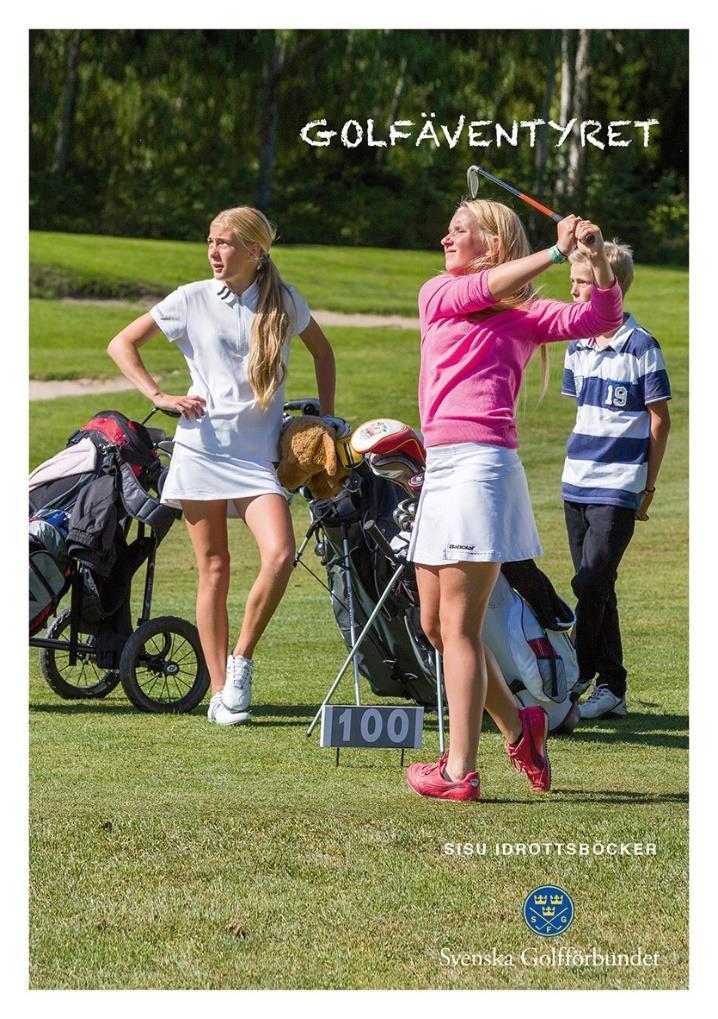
524	198
519	194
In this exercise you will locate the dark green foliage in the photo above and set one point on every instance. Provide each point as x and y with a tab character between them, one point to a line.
149	132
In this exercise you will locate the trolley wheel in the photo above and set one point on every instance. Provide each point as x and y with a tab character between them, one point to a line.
162	667
81	681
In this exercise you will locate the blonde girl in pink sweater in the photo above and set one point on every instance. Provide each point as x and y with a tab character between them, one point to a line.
480	324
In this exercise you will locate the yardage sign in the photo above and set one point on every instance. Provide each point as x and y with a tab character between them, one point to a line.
355	725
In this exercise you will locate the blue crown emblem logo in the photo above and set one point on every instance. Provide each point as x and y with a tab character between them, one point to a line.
548	911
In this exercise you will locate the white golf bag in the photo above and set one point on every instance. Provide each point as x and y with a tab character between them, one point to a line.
539	664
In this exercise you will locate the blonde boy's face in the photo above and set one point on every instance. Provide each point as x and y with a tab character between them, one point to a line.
581	281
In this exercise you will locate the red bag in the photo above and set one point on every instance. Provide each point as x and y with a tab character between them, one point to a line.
110	428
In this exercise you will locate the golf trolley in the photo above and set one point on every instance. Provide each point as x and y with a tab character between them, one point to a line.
92	646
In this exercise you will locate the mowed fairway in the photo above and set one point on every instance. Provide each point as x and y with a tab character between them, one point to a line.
169	853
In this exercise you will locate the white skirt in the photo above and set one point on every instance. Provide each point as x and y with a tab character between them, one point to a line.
194	474
474	507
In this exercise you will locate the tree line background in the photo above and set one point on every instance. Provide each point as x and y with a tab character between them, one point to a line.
149	132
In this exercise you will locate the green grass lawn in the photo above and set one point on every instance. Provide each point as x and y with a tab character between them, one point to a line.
371	280
343	279
167	853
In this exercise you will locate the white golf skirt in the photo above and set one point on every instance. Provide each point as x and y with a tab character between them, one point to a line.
474	507
194	474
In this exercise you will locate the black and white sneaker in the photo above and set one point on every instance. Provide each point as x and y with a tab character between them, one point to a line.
579	688
602	703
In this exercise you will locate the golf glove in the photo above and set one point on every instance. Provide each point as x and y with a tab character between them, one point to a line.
340	426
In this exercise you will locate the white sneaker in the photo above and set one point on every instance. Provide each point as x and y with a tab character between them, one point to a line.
579	688
219	714
237	692
602	702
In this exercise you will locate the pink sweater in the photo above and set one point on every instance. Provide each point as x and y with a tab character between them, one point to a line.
472	362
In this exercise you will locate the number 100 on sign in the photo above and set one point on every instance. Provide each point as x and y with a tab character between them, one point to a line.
353	725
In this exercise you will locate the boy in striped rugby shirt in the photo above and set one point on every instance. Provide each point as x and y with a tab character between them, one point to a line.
614	453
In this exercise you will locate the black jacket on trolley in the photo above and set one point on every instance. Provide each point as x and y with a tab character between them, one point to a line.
93	523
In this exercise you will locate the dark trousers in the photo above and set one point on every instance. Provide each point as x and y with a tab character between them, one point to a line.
598	536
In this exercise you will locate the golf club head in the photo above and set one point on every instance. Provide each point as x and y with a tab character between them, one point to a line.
387	435
405	514
396	466
472	181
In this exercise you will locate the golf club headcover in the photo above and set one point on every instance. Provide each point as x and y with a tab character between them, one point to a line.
387	435
309	457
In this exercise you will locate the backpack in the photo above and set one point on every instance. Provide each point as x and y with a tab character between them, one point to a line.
111	428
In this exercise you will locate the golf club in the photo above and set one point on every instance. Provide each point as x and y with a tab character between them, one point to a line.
472	180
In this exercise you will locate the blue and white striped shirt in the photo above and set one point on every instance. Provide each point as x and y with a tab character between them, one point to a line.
607	451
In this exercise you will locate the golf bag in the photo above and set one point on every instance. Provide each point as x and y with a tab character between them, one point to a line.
525	625
395	657
538	662
82	503
49	567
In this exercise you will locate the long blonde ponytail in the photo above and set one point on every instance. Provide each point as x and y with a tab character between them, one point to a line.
270	330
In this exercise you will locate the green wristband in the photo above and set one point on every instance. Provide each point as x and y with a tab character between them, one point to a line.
557	256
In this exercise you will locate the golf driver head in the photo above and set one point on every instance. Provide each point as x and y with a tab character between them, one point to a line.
396	466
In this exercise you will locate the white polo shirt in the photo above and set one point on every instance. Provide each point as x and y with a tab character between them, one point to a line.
212	327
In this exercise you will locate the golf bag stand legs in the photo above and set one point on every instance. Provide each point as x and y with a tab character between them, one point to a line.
351	657
350	605
440	699
346	569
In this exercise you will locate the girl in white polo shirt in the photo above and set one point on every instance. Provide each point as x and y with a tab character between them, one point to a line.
234	331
